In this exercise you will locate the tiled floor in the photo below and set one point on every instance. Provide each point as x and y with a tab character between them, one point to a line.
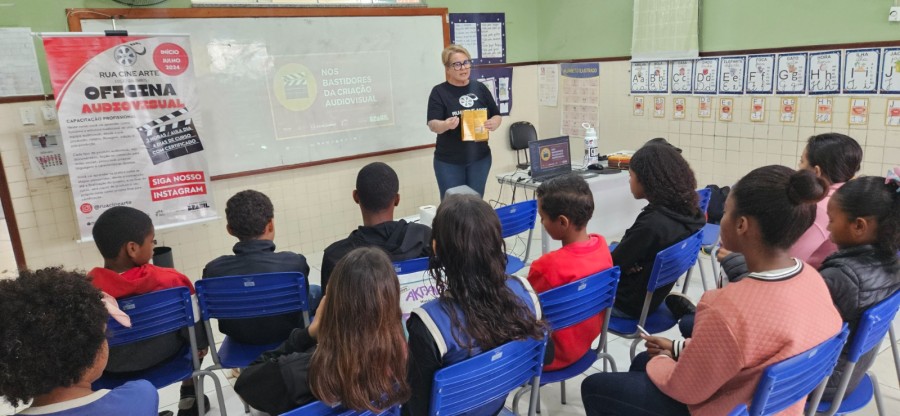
550	395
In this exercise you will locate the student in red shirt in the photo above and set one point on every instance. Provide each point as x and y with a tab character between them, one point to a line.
565	205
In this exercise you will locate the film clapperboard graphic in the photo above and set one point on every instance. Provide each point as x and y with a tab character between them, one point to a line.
295	86
168	137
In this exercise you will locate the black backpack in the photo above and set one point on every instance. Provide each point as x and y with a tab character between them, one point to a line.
716	203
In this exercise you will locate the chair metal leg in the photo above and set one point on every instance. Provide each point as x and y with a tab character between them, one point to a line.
714	265
893	339
201	404
562	392
687	281
198	395
634	344
878	401
535	402
515	407
702	274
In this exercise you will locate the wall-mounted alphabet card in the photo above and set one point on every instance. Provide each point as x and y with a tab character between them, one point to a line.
731	75
892	114
824	72
704	107
640	83
659	107
758	109
706	75
680	75
658	77
637	108
861	71
760	70
890	71
679	104
726	109
788	109
824	110
859	111
791	73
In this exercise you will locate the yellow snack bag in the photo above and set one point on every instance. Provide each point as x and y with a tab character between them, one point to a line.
473	125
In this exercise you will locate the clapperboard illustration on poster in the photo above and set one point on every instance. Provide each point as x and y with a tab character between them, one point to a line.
170	136
295	86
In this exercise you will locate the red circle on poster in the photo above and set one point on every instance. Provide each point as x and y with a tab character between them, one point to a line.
86	208
788	108
170	59
726	109
757	107
679	107
895	112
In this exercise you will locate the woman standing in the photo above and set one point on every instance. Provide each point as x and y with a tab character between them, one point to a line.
458	162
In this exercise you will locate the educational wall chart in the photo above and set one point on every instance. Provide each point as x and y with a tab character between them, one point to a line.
861	71
706	75
127	112
637	107
19	74
45	154
580	97
548	84
679	111
499	83
640	81
681	76
659	107
824	72
758	109
704	107
893	113
658	77
859	111
760	73
482	34
790	73
890	71
788	109
731	75
726	109
824	110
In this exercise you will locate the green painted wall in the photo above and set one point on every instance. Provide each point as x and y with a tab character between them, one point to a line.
573	29
521	22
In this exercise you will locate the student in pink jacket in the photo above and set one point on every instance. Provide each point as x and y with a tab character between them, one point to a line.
779	310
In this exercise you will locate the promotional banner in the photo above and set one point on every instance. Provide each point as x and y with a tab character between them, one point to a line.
128	115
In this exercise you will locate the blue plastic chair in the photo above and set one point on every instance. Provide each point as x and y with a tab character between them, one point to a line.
318	408
668	266
487	377
516	219
572	304
740	410
873	325
710	234
250	296
785	383
154	314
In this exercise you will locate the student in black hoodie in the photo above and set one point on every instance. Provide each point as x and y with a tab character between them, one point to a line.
660	175
377	194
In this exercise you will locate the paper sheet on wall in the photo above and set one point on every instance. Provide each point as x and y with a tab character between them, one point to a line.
580	97
467	37
19	74
45	154
491	40
548	84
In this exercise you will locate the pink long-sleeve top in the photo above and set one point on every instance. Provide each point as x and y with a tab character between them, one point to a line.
742	329
815	244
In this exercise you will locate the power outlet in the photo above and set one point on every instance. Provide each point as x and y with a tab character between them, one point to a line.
894	15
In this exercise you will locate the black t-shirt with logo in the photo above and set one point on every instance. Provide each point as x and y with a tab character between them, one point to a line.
447	100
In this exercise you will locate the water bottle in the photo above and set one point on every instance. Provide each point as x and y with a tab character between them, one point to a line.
590	144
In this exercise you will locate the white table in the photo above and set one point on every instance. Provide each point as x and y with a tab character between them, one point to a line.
615	209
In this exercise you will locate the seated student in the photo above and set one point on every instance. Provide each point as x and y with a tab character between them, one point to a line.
53	346
480	307
565	205
781	309
353	352
864	221
125	238
660	175
377	194
833	157
250	218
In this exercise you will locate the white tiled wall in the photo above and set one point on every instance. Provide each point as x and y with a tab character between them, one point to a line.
313	206
721	152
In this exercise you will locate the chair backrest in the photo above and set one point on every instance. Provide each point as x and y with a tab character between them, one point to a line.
517	218
705	194
740	410
318	408
486	377
152	314
411	266
265	294
785	383
675	261
520	133
873	325
572	303
416	285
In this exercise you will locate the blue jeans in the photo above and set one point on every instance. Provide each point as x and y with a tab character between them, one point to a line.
627	394
474	175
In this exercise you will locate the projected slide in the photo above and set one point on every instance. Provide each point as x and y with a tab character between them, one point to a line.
326	93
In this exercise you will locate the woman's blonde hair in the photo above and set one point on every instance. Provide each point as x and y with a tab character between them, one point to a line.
450	50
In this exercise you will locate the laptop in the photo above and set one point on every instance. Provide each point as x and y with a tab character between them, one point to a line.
550	158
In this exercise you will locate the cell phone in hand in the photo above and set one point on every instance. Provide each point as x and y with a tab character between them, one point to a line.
643	331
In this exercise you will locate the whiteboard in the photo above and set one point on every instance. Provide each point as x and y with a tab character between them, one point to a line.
283	91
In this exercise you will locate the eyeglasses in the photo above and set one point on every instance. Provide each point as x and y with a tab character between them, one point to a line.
462	64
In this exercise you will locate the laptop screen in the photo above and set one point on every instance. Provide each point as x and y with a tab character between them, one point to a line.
550	157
